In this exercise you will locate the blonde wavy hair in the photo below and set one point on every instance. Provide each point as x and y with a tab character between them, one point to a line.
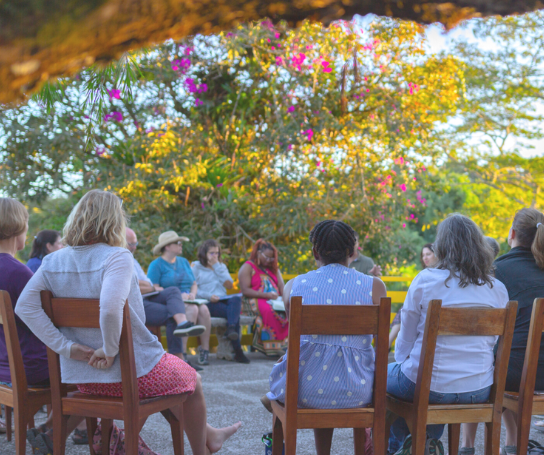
98	217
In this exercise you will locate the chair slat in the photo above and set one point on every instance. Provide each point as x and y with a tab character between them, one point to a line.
472	321
339	320
80	313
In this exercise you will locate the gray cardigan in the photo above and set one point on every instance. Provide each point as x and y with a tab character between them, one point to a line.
91	272
210	282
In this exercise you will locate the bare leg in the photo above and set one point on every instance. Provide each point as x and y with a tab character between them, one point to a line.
468	437
509	419
323	440
203	437
205	319
191	312
73	423
180	318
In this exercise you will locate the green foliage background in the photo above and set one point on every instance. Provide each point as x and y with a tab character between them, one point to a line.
266	130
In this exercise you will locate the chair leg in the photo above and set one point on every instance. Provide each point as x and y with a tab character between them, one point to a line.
106	426
59	434
92	424
389	419
8	410
176	426
493	438
290	436
454	432
523	435
20	432
419	438
132	431
359	440
277	436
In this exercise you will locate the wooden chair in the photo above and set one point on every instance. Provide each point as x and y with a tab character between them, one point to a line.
85	313
25	401
525	403
419	414
333	320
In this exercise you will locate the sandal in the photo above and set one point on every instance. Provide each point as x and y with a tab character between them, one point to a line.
534	448
505	450
80	437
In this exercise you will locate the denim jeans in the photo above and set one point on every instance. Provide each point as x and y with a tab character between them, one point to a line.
229	309
401	387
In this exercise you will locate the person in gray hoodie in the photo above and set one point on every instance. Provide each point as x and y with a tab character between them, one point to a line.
213	280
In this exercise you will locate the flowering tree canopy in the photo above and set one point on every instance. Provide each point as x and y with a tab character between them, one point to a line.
266	130
40	41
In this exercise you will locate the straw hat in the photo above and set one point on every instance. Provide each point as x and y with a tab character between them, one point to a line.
166	238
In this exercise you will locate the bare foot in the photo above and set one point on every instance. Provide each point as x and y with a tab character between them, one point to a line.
215	437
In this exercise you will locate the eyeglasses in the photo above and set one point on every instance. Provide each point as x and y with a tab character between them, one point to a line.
214	253
266	258
133	244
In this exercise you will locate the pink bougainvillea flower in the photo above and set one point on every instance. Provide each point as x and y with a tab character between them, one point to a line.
229	34
309	133
198	102
219	185
298	60
202	205
114	93
327	69
291	108
115	116
188	50
289	147
273	48
99	151
277	35
268	40
399	160
402	187
202	88
403	225
279	61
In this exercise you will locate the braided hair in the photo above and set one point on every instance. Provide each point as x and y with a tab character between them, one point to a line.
333	240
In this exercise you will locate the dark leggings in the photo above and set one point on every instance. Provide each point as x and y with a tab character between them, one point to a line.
515	368
229	309
160	309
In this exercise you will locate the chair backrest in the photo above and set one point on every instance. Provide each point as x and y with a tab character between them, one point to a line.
530	364
15	357
469	322
85	313
337	320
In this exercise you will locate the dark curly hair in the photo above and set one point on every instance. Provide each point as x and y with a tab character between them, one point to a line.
39	245
461	248
260	246
333	240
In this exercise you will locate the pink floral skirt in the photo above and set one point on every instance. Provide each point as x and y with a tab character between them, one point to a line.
171	376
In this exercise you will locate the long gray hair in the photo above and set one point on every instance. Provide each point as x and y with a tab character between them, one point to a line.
462	249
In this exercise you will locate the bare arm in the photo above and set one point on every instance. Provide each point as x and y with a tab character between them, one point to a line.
281	284
287	296
145	287
244	275
378	291
228	284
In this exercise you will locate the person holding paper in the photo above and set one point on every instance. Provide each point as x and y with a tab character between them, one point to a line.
213	280
172	269
164	307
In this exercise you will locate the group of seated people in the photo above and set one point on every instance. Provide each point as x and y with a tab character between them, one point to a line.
335	371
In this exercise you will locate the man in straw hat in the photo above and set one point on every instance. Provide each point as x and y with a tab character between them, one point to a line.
171	269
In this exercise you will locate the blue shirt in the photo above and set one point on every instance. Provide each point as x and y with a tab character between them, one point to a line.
178	274
34	264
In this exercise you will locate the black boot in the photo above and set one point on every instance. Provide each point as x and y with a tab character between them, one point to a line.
240	357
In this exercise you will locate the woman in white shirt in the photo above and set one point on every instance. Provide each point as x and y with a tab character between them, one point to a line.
463	365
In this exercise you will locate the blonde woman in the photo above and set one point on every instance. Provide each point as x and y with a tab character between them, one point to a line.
96	264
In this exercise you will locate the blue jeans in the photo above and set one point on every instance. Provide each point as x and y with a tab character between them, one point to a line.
229	309
401	387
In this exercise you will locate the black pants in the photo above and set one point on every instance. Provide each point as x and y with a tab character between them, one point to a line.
160	309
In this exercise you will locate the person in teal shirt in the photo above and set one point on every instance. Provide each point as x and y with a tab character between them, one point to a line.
171	269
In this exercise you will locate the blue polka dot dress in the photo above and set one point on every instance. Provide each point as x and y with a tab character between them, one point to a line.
335	371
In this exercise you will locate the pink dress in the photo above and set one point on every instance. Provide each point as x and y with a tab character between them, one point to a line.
271	328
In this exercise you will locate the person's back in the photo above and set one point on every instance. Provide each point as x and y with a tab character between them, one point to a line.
13	278
461	362
79	272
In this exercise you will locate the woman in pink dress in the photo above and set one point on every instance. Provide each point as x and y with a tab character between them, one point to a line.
261	281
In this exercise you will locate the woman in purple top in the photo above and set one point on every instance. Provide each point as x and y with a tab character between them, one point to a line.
13	278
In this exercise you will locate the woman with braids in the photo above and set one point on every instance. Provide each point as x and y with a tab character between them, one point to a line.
260	281
336	372
522	272
46	242
463	365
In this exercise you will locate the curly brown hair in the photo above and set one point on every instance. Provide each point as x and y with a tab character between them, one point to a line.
203	251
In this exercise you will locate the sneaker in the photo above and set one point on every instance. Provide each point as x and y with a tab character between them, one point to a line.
189	329
41	443
196	367
240	357
203	356
406	448
232	333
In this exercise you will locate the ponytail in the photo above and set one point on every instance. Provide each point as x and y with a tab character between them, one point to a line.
529	226
537	248
39	245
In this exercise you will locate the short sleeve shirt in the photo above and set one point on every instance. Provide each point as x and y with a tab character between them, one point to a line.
165	274
140	274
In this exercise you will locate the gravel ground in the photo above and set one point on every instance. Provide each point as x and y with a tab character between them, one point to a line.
232	394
